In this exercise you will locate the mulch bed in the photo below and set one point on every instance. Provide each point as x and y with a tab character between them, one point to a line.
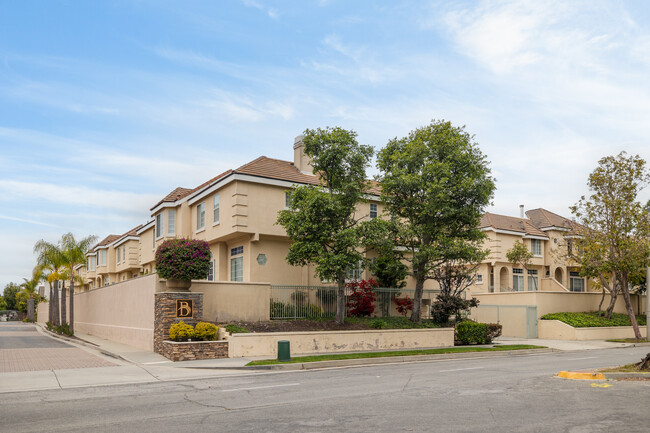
298	326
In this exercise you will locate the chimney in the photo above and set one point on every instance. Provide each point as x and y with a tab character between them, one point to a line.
521	211
300	160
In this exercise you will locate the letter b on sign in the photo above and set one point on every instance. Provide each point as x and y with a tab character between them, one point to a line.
184	308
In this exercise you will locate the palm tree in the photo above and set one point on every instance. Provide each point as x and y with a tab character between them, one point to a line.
50	259
74	253
29	287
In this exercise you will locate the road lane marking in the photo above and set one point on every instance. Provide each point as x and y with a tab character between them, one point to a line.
260	387
461	369
580	359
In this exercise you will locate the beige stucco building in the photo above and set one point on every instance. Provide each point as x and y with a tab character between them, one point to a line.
236	213
547	236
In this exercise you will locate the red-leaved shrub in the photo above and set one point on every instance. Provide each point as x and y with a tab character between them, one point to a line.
362	299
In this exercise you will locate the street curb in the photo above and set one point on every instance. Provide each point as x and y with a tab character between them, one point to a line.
386	360
581	375
81	342
627	375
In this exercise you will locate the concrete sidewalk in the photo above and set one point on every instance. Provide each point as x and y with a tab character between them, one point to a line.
141	366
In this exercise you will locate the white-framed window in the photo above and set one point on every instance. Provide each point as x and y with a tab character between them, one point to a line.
518	279
160	225
91	263
237	264
102	257
211	271
479	278
373	210
119	255
124	253
216	216
171	221
533	282
576	282
355	272
287	199
536	247
200	216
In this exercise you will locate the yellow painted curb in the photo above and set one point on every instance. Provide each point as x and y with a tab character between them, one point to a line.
581	375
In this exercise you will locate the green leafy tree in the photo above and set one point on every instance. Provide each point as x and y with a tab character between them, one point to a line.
73	253
29	288
454	278
321	220
3	305
9	295
436	183
51	260
615	237
520	255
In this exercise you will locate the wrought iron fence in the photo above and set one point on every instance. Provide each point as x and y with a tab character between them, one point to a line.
316	302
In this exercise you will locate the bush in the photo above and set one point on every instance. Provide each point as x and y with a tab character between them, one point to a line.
183	259
181	331
378	324
468	332
236	329
205	331
403	305
447	305
281	310
361	301
592	319
61	329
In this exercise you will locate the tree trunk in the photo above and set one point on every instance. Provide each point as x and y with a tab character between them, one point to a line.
64	316
630	311
416	315
30	307
644	364
50	314
56	320
603	284
614	295
340	301
72	304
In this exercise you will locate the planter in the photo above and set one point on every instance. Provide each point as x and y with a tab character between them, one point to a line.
193	350
174	285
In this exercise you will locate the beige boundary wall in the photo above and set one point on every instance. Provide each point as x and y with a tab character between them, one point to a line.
512	314
266	344
121	312
558	302
230	301
557	330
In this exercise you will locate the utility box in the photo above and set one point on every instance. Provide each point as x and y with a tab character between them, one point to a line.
284	351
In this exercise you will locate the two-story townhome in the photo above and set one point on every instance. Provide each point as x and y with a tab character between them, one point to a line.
236	213
547	236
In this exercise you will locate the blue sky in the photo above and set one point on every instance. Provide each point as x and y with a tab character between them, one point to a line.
107	106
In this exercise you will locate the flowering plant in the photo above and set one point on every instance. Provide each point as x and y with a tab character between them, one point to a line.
183	259
362	298
403	305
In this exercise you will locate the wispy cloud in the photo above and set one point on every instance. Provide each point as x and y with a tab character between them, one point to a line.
26	220
271	12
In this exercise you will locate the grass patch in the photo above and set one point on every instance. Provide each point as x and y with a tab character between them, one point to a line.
316	358
629	368
593	320
236	329
392	322
628	340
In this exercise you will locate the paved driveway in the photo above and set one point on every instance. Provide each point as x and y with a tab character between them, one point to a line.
23	348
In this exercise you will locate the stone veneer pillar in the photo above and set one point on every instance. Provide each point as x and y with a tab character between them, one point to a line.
165	314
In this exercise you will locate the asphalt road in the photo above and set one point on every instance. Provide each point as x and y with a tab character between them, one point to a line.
516	394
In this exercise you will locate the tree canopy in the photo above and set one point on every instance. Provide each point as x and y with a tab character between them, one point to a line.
615	238
436	184
321	220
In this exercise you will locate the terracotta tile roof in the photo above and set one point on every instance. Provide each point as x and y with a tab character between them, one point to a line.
106	241
502	222
543	218
284	170
264	167
176	194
